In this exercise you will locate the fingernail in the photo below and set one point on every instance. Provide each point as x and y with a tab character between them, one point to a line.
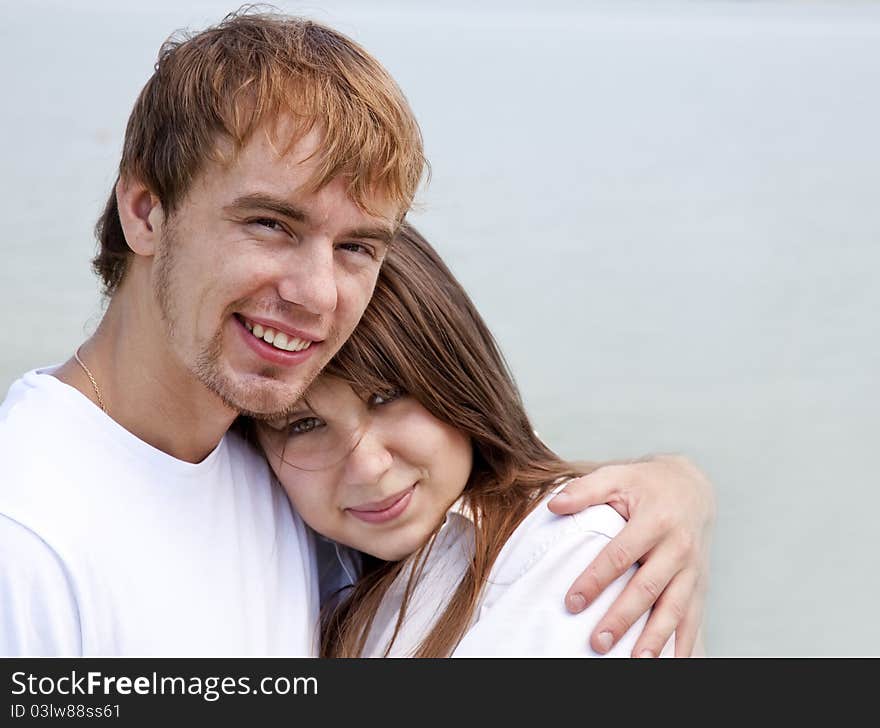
646	653
560	497
575	602
605	640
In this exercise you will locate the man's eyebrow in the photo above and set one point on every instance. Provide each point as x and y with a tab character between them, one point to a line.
380	233
267	202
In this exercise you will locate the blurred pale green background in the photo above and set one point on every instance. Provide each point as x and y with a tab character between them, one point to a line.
667	212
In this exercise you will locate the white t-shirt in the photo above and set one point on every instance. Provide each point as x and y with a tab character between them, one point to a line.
522	611
109	546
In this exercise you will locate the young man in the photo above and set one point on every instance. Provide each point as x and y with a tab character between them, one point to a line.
266	166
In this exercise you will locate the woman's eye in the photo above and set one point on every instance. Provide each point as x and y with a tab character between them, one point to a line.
379	398
305	425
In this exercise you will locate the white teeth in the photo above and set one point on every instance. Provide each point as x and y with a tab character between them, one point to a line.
278	339
298	345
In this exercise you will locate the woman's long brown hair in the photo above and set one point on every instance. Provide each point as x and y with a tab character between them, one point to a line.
422	332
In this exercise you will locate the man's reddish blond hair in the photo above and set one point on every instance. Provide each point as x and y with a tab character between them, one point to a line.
251	70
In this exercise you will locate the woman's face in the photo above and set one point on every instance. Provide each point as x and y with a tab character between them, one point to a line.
377	474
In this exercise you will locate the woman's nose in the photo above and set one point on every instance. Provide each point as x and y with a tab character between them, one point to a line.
370	459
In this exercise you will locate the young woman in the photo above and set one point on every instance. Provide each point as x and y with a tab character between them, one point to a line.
413	448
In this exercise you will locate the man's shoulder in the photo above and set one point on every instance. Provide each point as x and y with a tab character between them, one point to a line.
36	403
21	393
34	421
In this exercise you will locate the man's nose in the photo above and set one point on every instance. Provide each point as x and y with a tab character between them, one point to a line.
370	459
309	277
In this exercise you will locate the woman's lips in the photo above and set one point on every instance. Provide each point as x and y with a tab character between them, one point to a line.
384	510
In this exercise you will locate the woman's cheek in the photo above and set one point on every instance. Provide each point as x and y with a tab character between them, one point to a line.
291	481
314	499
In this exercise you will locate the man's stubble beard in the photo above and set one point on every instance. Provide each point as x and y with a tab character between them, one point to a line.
258	402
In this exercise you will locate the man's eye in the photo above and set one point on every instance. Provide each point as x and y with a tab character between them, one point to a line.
267	222
359	248
380	398
305	425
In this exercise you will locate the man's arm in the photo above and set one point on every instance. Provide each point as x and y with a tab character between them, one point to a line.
670	506
39	614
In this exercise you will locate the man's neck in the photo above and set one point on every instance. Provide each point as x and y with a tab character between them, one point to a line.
146	389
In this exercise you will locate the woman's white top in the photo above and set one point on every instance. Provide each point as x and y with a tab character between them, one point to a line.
522	611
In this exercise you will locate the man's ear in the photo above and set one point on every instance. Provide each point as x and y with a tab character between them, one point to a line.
141	216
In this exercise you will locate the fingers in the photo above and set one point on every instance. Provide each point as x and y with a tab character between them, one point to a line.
600	486
687	632
669	612
633	542
639	595
667	530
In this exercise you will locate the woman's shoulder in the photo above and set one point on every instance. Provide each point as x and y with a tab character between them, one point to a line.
601	519
542	530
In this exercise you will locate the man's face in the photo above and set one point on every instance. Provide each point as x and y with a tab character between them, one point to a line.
258	281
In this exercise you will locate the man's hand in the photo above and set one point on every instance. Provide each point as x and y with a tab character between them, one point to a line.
670	508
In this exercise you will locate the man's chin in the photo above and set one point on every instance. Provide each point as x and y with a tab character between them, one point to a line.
261	398
268	403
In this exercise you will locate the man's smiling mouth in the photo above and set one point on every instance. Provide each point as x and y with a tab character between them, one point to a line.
278	339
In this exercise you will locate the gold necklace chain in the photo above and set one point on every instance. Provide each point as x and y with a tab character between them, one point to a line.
92	380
